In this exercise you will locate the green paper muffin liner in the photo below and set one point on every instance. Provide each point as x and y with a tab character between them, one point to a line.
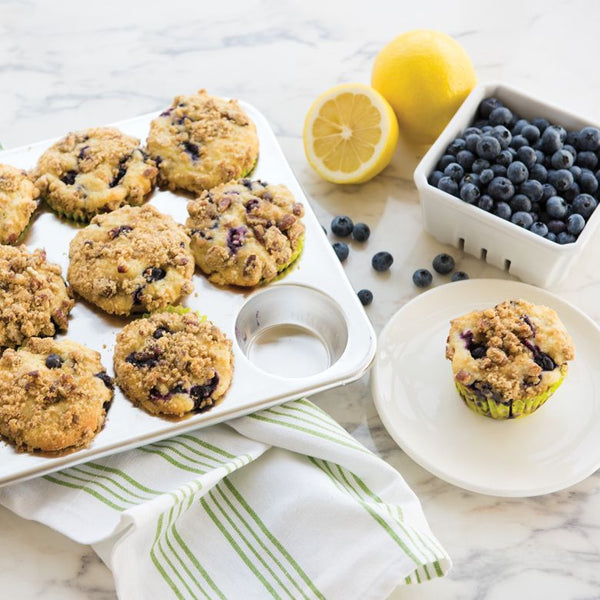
513	409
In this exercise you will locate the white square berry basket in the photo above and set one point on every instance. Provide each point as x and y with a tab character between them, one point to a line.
528	256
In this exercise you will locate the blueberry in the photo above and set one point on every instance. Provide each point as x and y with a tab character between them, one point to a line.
154	274
106	379
522	219
343	225
570	194
531	133
503	136
454	171
587	160
487	105
159	332
480	165
503	210
53	361
470	131
448	185
556	207
361	232
540	157
365	296
520	202
200	394
562	159
143	359
588	182
69	177
341	249
504	158
501	116
551	139
537	172
456	146
564	237
486	203
548	191
539	228
382	261
501	188
527	155
459	276
485	177
584	205
540	123
433	180
575	171
443	263
471	141
519	141
575	224
465	158
556	226
192	149
519	125
499	170
517	172
470	178
533	189
446	160
488	147
551	236
561	179
470	193
588	139
422	278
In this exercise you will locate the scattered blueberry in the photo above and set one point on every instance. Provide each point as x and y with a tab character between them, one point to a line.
459	276
365	297
382	261
342	226
422	278
361	232
443	263
342	250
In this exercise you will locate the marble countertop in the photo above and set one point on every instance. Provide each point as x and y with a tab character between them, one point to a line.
65	67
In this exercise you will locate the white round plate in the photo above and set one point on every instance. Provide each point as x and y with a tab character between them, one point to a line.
555	447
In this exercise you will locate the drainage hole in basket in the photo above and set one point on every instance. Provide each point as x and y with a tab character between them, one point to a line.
461	243
506	265
483	253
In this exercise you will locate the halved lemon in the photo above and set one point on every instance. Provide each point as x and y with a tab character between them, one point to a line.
350	133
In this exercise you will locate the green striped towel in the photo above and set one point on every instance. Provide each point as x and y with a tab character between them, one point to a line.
283	503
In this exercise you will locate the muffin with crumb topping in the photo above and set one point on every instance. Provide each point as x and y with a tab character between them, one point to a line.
509	359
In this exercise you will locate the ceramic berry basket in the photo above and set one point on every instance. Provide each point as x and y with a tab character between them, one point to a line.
528	256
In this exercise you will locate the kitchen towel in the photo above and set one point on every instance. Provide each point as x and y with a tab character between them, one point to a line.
283	503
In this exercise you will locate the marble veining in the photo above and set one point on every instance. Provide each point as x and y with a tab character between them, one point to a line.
66	66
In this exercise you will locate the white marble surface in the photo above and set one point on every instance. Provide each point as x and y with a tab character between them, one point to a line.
68	65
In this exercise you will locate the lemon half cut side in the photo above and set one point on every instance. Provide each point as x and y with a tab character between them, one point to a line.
350	133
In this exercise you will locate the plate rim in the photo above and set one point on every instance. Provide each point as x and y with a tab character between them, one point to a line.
426	463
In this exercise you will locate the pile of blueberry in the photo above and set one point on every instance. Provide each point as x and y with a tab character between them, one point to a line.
535	174
443	264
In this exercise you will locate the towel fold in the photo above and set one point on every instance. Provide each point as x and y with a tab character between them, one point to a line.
283	503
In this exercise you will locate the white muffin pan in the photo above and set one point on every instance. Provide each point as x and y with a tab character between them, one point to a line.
304	333
501	243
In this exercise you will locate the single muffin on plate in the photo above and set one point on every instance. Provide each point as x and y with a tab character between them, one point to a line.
202	141
54	395
94	171
245	232
18	201
132	260
173	363
509	359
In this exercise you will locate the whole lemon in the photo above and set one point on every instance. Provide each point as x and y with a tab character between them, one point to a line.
425	75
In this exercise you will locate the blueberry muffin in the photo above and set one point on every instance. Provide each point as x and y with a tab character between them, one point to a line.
18	201
173	364
245	232
509	359
34	299
131	260
53	395
94	171
202	141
